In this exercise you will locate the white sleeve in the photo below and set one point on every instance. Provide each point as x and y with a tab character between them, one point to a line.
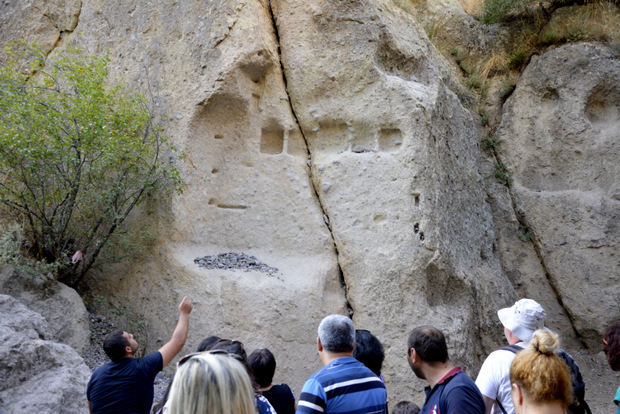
488	381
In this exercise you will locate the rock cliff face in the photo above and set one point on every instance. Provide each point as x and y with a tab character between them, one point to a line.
327	139
561	133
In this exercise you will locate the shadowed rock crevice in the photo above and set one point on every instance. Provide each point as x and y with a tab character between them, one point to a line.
341	277
523	223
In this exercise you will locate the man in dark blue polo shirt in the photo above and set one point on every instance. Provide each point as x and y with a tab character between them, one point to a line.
450	390
125	384
344	385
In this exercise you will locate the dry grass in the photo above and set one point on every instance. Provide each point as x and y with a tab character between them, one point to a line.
472	7
405	5
594	21
494	65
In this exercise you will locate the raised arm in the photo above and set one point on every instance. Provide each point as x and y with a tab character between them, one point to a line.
172	347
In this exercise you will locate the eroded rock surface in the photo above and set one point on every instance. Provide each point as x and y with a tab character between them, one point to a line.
37	374
60	305
561	140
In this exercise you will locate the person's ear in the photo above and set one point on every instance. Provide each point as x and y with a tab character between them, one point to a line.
319	345
517	395
128	350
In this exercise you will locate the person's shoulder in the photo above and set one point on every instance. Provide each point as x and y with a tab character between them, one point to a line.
281	388
101	370
154	361
499	356
463	390
463	378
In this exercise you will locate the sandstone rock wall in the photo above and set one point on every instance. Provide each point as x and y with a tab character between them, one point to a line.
561	135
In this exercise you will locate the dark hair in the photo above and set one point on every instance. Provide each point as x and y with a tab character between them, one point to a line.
207	343
263	365
235	348
429	343
369	351
612	345
114	345
405	407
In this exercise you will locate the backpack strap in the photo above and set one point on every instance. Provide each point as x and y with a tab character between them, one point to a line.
512	348
501	407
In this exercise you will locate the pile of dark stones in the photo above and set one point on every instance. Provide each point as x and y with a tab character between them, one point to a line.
234	261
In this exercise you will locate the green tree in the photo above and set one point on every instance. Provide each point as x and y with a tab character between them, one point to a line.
76	156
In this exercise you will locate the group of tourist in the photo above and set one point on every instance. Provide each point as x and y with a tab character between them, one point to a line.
530	375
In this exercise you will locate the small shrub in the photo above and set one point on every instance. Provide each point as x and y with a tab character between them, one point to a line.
497	10
12	241
76	156
524	234
549	36
490	143
485	118
467	97
473	81
577	33
516	59
435	26
502	175
507	89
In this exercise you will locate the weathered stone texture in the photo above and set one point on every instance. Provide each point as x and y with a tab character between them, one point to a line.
60	305
36	374
561	140
394	162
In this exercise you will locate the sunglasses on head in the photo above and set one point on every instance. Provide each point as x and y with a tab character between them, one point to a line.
187	357
232	341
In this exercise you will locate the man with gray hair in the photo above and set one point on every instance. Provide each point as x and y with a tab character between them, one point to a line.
344	385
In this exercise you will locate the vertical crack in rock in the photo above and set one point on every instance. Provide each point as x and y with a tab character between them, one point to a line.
61	32
537	248
316	194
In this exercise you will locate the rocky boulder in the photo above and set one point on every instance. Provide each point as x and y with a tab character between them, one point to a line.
60	305
37	374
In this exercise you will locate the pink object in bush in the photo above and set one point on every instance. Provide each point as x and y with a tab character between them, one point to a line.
77	256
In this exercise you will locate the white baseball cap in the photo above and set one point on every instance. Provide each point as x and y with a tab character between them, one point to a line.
523	318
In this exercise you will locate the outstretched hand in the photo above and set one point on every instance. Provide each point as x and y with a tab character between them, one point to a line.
186	305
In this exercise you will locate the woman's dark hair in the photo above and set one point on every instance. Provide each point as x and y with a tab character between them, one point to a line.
263	365
611	346
405	407
207	343
369	351
114	345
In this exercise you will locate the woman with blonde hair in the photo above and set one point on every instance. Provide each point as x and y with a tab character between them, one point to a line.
211	382
540	380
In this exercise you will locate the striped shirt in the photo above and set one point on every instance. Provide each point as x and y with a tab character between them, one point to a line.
344	386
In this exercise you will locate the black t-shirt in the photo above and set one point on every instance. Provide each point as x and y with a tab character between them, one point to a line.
281	398
125	386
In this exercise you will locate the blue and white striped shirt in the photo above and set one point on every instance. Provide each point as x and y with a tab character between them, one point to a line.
344	386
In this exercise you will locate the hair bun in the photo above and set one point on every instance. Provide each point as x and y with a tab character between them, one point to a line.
545	341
